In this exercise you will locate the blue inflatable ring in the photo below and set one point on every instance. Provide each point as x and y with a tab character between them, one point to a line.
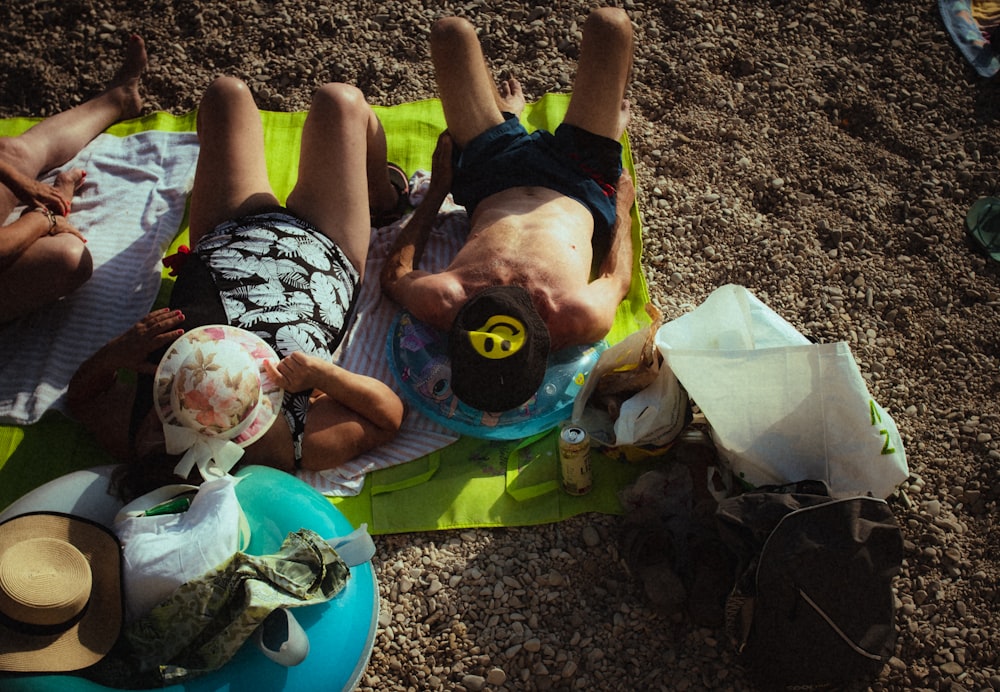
341	632
418	359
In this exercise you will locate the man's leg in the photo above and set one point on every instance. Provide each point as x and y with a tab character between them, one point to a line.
598	101
342	169
231	178
468	93
57	139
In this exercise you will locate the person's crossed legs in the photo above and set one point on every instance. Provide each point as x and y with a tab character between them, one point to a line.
55	265
55	140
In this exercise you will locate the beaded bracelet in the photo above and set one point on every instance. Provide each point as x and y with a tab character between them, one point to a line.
49	215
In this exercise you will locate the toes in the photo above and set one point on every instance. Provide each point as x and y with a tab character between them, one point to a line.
135	57
135	61
70	181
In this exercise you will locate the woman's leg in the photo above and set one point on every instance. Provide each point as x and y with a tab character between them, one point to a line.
342	169
55	140
468	93
52	267
231	177
598	103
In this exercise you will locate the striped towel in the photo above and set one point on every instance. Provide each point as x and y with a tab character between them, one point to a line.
130	209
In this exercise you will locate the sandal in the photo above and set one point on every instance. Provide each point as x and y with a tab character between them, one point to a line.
398	179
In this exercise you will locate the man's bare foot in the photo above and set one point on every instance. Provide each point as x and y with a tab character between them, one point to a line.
511	96
623	117
67	183
125	84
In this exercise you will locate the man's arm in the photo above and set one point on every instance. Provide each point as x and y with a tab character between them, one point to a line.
593	309
616	268
400	268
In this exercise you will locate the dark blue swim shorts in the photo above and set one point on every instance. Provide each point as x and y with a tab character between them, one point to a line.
572	161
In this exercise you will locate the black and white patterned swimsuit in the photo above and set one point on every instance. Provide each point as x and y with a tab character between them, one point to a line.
279	277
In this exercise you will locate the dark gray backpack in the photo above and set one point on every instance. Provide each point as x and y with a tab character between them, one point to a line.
812	606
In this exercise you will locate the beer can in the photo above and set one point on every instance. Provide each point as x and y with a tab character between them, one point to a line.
574	460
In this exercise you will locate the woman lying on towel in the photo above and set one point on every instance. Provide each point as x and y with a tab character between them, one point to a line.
43	257
288	274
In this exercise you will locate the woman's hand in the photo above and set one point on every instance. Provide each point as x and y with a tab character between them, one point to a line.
297	371
154	331
64	226
93	396
37	194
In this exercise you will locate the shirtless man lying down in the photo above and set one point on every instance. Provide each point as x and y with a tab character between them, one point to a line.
538	203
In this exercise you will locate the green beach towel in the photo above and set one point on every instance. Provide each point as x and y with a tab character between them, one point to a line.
467	483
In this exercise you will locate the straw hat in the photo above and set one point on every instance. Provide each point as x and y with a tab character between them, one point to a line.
60	592
214	396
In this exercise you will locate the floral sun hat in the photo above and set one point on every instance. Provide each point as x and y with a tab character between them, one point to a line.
214	397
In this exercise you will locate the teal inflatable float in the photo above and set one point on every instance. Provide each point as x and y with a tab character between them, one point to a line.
419	361
341	631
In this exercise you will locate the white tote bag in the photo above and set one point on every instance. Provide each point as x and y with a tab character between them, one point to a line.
782	409
162	551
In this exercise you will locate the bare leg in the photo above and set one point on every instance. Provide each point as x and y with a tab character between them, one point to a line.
342	169
53	267
231	178
598	103
55	140
59	265
468	93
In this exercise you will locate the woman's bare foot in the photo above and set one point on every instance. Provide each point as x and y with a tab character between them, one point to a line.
511	96
67	183
125	84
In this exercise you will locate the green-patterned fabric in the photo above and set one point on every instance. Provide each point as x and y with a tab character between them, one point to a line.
469	483
206	620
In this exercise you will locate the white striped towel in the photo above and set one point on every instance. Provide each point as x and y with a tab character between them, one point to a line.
130	209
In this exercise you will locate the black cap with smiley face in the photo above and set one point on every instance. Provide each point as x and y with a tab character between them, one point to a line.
499	348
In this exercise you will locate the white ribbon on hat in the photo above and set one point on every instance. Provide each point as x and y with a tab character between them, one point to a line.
214	456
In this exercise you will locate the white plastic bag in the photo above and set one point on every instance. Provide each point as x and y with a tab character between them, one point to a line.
651	416
782	409
162	551
655	415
